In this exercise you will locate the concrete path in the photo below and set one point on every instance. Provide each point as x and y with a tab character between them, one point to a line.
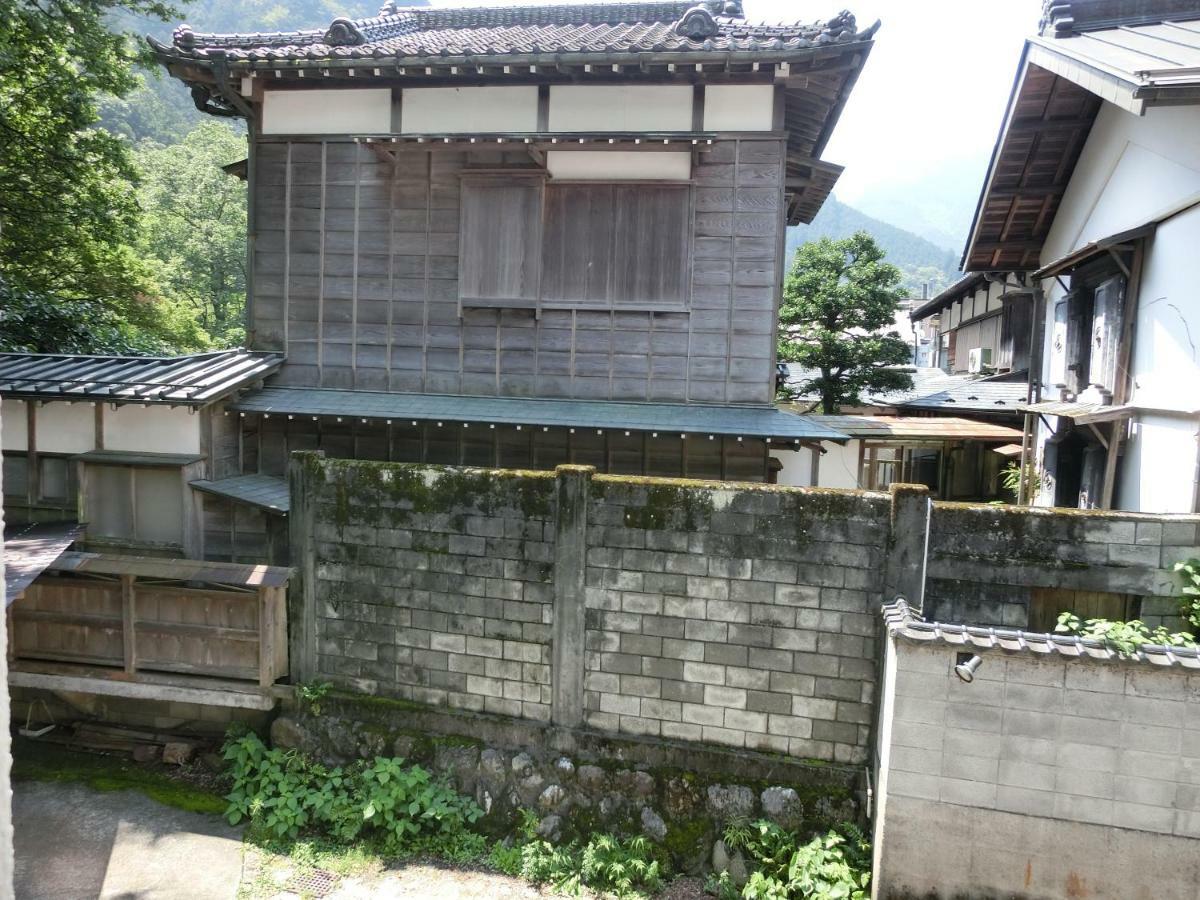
74	843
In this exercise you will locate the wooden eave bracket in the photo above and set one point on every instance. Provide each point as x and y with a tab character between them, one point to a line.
383	152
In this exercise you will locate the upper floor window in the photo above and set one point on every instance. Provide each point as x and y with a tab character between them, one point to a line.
583	245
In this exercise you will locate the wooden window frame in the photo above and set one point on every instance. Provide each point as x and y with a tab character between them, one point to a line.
540	302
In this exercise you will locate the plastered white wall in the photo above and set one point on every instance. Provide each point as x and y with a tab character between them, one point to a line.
739	107
15	434
1158	471
1132	169
66	427
469	109
577	107
797	467
153	429
618	165
336	111
838	467
1166	346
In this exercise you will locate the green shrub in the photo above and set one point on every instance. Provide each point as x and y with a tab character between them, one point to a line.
628	868
285	793
832	866
1190	605
1123	637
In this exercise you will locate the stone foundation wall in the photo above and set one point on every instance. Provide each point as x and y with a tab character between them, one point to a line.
578	783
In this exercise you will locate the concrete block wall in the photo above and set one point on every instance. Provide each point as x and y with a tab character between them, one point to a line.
984	560
1048	776
734	616
435	587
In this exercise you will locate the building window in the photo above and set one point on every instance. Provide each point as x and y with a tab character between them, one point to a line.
16	477
500	231
56	484
580	245
141	505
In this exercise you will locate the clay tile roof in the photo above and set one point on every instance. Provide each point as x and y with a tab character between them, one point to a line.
901	621
589	28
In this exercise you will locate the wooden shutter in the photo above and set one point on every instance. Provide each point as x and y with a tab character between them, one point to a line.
650	248
615	245
578	244
1078	343
500	240
1108	313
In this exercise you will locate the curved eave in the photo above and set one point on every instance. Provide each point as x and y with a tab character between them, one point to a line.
169	55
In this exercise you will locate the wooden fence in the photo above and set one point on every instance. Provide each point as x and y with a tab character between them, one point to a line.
118	613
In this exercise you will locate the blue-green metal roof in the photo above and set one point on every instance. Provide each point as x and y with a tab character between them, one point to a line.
263	491
606	415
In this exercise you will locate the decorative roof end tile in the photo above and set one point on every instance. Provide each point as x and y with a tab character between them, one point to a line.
343	33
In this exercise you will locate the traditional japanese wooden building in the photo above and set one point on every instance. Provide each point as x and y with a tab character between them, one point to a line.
525	236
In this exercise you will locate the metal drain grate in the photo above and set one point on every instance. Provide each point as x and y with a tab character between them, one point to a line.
314	883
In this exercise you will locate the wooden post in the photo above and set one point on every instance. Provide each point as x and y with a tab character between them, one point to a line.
573	492
266	637
128	620
303	595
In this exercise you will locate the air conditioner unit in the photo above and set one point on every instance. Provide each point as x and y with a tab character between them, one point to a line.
978	359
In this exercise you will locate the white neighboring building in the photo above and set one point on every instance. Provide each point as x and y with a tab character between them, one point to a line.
1094	187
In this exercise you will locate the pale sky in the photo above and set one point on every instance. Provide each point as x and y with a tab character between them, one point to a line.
933	91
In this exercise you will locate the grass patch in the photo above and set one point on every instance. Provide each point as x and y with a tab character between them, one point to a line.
54	763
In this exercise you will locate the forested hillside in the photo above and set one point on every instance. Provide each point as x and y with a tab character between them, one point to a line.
161	108
920	260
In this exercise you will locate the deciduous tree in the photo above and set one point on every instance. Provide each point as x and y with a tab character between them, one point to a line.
68	214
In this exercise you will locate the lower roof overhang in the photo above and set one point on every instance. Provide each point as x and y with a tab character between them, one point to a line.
31	549
264	492
1081	413
758	422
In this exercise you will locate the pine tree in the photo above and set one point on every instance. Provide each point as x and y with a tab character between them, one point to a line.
839	303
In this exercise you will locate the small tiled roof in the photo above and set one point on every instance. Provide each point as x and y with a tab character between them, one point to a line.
901	621
668	418
601	28
195	380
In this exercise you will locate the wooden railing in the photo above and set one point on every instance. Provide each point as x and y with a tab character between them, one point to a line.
143	623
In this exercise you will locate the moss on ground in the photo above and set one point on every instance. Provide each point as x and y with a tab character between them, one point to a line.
53	763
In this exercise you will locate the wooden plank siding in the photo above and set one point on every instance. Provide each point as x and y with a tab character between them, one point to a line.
356	268
667	455
144	626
